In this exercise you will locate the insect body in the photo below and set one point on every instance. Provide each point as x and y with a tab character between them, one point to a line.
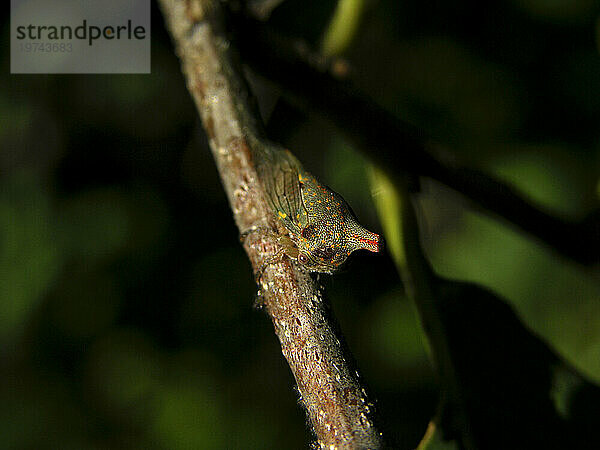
322	230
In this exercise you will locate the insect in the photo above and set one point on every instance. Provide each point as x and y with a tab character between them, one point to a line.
321	230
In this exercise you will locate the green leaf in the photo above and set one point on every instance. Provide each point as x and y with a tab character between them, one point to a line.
343	26
434	441
502	387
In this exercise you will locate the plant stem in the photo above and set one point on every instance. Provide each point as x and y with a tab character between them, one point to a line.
331	391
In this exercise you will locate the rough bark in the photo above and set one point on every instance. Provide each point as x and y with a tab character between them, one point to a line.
335	400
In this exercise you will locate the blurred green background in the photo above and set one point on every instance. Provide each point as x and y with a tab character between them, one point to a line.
126	316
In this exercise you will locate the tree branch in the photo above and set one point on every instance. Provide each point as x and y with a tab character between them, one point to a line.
337	404
399	148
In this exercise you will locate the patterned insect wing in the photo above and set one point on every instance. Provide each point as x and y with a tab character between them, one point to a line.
279	175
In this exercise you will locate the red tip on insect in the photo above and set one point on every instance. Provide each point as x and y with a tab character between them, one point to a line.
369	241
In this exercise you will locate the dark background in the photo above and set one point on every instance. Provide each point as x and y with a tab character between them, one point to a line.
126	316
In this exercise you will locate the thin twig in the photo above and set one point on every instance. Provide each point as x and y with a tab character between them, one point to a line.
399	148
336	402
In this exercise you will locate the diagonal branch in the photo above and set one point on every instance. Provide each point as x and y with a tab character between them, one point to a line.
399	148
337	404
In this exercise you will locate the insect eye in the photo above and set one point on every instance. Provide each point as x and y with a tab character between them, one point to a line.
302	258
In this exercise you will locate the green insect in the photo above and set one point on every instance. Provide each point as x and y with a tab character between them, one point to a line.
321	229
